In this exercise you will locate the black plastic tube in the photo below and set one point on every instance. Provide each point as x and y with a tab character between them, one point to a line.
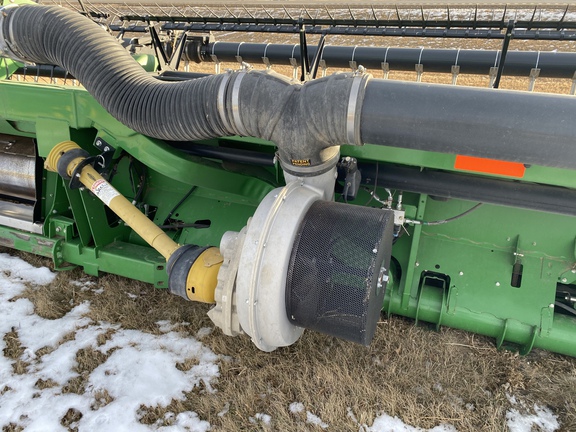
531	128
552	199
518	63
226	154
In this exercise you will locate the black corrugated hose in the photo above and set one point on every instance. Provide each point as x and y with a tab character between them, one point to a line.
54	35
301	119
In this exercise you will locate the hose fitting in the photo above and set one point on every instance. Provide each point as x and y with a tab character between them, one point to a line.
5	49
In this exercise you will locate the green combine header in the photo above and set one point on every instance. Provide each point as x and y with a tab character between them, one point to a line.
291	203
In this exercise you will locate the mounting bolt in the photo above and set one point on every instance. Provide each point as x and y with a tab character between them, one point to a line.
564	280
497	283
573	271
461	273
417	264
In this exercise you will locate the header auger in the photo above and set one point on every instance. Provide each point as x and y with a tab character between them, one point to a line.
315	202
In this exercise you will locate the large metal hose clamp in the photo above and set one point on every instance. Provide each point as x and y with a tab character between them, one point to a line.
6	50
236	114
357	92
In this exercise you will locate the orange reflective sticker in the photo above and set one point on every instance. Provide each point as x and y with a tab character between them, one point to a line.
489	166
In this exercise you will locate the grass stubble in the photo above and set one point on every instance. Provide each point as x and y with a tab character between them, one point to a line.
422	376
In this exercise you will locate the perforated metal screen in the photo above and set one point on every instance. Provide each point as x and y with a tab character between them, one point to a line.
339	253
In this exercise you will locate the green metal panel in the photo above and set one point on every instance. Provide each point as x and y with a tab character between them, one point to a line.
534	173
473	258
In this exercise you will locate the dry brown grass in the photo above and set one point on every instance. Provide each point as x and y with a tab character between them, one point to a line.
422	376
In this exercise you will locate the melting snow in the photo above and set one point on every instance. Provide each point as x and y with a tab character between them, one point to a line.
139	369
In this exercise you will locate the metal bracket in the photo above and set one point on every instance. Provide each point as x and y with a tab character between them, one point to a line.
99	162
303	52
534	73
105	157
166	62
318	61
505	45
75	182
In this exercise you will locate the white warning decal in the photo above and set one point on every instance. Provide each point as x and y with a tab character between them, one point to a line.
103	190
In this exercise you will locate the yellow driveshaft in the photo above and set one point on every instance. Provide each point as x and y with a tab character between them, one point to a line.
199	278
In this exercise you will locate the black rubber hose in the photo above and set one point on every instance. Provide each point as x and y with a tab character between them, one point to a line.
54	35
302	120
507	125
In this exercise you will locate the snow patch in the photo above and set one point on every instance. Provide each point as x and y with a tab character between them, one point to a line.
138	369
261	418
315	420
542	418
296	407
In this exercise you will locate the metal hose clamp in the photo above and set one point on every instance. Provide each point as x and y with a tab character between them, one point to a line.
6	50
236	115
357	91
221	101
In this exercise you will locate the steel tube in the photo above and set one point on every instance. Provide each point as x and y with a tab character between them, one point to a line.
18	176
450	33
17	168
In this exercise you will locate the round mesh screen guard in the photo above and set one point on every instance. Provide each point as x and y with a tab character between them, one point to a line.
338	270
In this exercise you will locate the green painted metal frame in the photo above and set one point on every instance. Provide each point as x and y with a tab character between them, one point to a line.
456	274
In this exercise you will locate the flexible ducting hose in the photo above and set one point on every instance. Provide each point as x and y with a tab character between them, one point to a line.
54	35
302	120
